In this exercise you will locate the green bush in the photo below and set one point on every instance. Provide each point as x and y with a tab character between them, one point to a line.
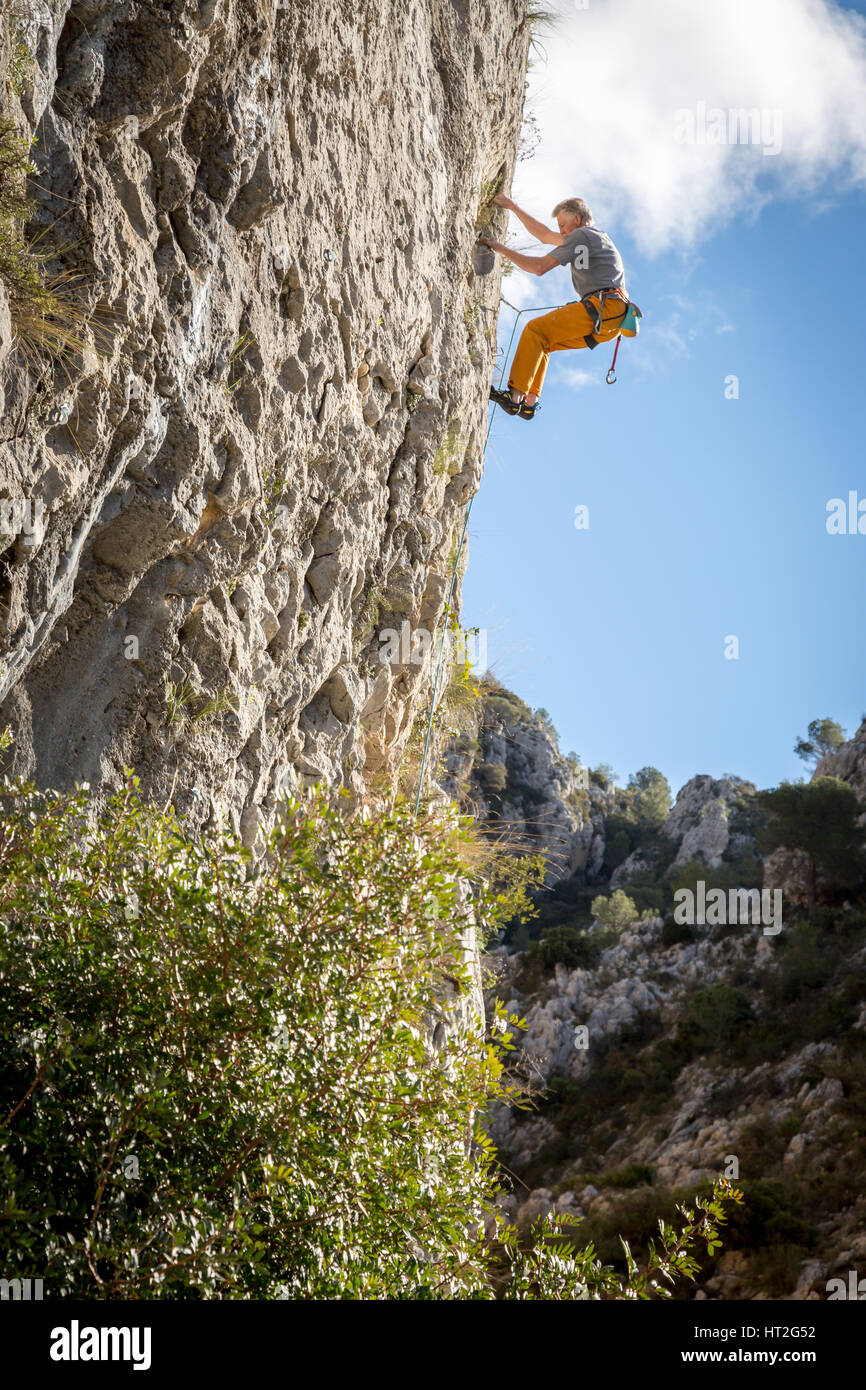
570	946
493	777
503	703
219	1079
618	911
713	1018
632	1175
653	796
804	964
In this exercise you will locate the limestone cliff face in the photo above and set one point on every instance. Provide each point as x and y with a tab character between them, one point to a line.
507	771
263	457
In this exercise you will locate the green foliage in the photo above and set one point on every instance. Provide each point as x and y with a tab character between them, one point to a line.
619	841
20	270
667	1252
448	451
502	703
46	319
713	1017
186	707
825	736
493	777
569	946
770	1217
617	911
219	1079
489	190
653	798
820	820
632	1175
545	720
602	776
804	965
746	871
237	352
509	881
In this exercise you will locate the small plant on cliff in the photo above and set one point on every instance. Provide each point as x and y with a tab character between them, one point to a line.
21	61
449	449
47	320
489	190
220	1079
185	706
235	356
19	268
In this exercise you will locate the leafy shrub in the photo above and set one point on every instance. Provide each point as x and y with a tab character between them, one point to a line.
617	911
653	796
617	848
493	777
804	964
772	1216
602	776
713	1018
502	702
570	946
220	1081
632	1175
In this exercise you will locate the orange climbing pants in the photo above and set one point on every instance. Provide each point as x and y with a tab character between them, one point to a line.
563	328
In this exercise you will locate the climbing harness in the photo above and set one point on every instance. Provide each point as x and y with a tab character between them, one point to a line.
596	313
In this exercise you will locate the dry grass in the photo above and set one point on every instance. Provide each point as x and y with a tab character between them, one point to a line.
49	322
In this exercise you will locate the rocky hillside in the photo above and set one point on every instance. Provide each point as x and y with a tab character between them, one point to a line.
660	1054
255	450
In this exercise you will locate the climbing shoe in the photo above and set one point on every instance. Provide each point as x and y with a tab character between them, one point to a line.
503	398
528	412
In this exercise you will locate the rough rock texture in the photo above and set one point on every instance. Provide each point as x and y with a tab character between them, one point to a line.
849	763
510	774
789	1120
263	458
699	825
627	1113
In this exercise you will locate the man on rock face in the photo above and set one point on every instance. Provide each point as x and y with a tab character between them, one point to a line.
596	317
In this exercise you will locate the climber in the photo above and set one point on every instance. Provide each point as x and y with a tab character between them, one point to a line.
598	277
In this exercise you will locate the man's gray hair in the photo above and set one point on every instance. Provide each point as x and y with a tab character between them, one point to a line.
576	207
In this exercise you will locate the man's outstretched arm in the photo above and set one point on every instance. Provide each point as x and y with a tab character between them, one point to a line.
533	265
547	235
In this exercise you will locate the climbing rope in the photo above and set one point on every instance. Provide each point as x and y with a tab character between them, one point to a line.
610	379
519	313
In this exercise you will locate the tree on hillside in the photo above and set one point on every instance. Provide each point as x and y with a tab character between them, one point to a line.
547	723
617	911
825	736
653	796
818	819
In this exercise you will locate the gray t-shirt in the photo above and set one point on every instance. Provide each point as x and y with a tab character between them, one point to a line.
595	262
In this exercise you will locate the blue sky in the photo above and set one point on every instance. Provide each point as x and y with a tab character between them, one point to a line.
707	515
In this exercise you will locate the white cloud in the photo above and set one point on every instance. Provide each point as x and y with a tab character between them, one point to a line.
577	378
617	73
